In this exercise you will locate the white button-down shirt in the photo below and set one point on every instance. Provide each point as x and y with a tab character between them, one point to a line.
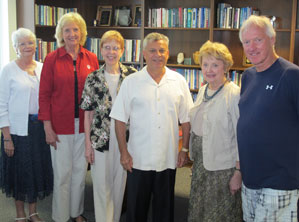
153	111
15	89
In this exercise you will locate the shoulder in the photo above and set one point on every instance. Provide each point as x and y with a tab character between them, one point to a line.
173	75
39	64
96	75
52	56
127	70
288	67
233	88
6	70
88	53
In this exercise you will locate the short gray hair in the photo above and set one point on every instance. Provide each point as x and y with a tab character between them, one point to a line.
155	36
259	21
21	33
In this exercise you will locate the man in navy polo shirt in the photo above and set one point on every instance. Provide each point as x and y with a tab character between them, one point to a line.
268	127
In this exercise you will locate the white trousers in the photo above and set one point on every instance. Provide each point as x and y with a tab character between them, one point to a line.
69	167
109	180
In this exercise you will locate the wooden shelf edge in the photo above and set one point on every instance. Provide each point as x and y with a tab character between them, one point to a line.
164	28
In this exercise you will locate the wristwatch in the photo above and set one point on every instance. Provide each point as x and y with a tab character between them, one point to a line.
185	150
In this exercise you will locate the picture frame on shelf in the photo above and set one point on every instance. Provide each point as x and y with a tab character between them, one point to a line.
137	15
104	14
122	16
246	61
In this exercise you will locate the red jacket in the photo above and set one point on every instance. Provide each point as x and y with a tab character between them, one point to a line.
57	88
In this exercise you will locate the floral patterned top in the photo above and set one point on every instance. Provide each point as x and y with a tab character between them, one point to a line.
96	96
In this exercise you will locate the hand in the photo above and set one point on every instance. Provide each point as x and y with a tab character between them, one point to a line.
182	159
89	154
126	161
9	148
235	182
51	137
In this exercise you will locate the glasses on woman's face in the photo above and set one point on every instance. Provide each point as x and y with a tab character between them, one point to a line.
111	48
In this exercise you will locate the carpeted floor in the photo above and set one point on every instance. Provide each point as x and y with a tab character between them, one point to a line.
182	190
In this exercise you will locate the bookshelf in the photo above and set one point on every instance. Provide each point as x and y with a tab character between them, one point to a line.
182	39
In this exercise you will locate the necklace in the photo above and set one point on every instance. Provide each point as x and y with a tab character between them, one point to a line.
206	97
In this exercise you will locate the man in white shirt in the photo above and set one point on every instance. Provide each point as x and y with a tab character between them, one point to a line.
154	100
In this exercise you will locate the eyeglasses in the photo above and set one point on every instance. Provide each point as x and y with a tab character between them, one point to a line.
112	48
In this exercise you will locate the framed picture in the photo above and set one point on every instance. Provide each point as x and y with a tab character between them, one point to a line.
122	16
104	14
137	16
246	62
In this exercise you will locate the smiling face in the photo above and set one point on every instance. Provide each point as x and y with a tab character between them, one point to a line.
111	52
213	71
258	47
71	35
26	46
156	55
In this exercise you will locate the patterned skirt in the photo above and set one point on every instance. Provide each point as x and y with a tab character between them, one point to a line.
28	174
210	197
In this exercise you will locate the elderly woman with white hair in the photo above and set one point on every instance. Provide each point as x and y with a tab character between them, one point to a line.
25	161
62	82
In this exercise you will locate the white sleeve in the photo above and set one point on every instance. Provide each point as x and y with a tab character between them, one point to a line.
4	97
186	103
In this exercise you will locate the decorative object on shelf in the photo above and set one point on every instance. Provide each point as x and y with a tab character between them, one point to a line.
275	21
104	14
137	16
187	61
180	58
95	22
246	62
196	57
122	16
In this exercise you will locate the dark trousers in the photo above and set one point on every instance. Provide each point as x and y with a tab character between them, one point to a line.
141	186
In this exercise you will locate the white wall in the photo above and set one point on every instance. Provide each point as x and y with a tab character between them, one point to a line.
12	25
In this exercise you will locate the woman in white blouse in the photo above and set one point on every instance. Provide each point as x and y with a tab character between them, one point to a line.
216	176
25	161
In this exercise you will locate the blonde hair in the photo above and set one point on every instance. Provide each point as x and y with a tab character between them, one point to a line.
217	50
67	18
155	36
112	35
21	33
259	21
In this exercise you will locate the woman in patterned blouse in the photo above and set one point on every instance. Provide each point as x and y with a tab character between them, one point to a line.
101	147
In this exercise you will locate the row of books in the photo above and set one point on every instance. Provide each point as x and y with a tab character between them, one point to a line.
131	51
179	17
193	77
233	18
49	15
43	48
235	76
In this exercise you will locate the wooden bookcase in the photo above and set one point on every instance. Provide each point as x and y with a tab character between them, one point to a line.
186	40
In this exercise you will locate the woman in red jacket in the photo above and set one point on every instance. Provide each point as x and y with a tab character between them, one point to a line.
62	81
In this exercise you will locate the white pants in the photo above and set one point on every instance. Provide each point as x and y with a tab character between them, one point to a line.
109	179
69	166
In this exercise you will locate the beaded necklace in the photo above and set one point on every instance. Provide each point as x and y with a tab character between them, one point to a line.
206	97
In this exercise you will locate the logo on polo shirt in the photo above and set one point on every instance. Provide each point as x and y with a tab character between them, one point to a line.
269	87
88	66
